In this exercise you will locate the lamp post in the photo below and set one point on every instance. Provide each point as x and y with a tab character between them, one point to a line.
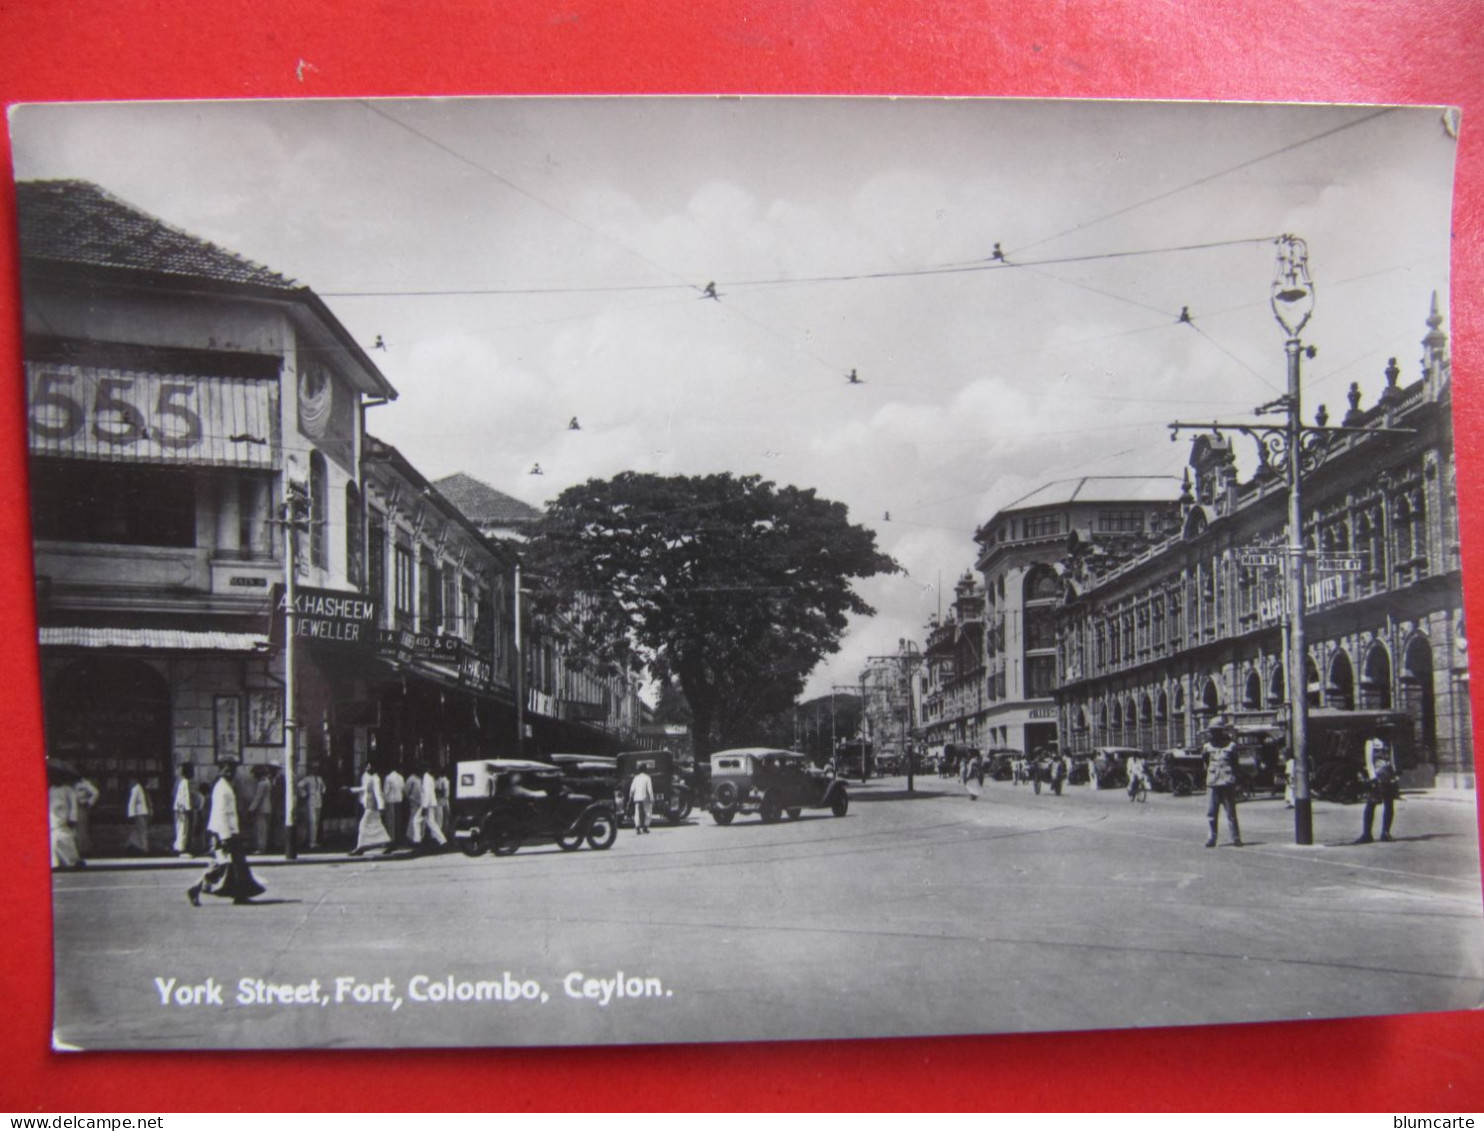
1293	305
296	517
1292	450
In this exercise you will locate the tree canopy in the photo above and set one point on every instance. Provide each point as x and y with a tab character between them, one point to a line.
731	586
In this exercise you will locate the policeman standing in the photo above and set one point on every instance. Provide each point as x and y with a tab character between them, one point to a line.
1221	779
1382	787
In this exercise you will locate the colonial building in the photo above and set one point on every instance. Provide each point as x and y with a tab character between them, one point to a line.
1021	550
569	706
183	405
176	394
1155	639
953	685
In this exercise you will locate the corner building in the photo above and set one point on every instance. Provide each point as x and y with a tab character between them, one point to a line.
1155	640
1022	551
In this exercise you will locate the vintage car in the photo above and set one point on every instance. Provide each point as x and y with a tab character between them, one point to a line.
500	804
1178	771
999	763
1110	765
593	774
672	799
771	783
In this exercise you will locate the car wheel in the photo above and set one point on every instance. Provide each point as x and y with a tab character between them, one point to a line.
602	831
508	844
725	795
770	810
723	816
570	842
794	814
472	845
686	806
841	805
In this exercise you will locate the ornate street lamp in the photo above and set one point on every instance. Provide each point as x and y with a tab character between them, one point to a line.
1292	450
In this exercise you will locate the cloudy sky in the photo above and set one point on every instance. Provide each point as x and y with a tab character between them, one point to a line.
528	261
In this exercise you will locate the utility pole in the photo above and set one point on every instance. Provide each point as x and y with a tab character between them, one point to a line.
295	516
520	672
1292	450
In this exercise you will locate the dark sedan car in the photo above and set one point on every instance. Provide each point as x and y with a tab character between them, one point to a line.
771	783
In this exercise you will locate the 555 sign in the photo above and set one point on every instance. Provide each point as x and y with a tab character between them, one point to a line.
87	412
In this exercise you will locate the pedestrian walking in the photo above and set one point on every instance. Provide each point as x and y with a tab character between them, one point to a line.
393	793
183	806
261	807
425	817
1382	787
1221	780
228	875
444	790
641	796
371	833
87	796
137	810
311	791
412	797
63	806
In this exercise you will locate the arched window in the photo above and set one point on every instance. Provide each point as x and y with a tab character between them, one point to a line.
355	540
1417	697
319	510
1252	694
1341	690
1375	680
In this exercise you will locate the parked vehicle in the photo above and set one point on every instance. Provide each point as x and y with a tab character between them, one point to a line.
771	783
999	764
1110	764
672	799
853	759
499	804
593	774
1178	771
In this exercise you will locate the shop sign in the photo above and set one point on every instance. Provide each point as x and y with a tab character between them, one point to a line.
1042	713
341	621
395	645
437	649
89	412
476	670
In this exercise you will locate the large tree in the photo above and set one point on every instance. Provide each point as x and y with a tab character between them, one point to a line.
731	586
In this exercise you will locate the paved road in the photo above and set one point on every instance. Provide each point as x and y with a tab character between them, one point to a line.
933	914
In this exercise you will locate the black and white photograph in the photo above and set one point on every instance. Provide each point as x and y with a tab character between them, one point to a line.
591	571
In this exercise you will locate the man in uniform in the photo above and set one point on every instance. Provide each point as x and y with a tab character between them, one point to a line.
1221	779
1382	786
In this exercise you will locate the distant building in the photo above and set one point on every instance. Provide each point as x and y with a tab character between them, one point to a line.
1021	554
953	686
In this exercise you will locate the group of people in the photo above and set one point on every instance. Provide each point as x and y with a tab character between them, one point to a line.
1382	781
419	795
263	800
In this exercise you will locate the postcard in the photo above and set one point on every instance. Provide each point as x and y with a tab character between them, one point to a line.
632	570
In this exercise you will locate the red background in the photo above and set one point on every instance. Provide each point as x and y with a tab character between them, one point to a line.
1421	51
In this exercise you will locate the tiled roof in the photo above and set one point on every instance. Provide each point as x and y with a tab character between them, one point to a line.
1101	489
169	639
79	223
481	503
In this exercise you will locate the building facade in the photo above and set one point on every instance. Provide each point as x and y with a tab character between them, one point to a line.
1154	640
184	405
176	392
1022	550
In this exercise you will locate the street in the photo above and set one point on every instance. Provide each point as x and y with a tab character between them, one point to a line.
929	914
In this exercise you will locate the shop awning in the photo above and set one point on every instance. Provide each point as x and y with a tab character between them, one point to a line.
163	639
